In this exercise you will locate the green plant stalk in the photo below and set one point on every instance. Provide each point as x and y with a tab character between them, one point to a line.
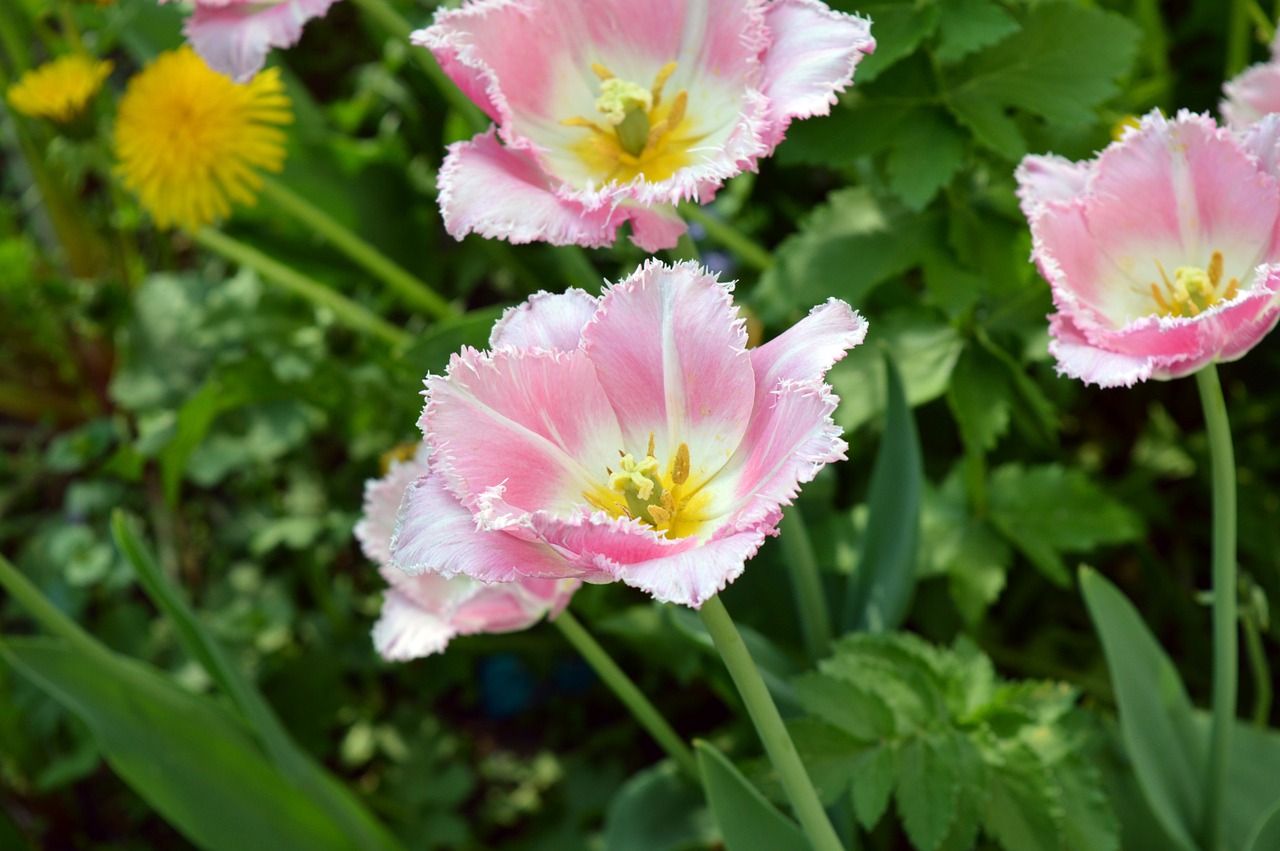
806	582
1266	29
1147	13
1261	671
773	733
345	310
627	691
45	613
414	291
391	21
748	250
1237	38
1225	594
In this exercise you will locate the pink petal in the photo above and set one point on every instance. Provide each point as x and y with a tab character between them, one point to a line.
404	631
524	429
234	38
811	58
1262	140
693	576
501	193
1253	94
655	228
670	352
1050	178
546	321
806	350
435	534
382	499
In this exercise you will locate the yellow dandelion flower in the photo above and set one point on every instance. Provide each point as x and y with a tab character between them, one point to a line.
189	141
59	90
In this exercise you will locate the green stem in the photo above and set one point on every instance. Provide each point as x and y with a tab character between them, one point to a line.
391	21
1261	671
414	290
45	613
345	310
1237	38
773	733
1150	19
631	696
748	250
1266	29
806	582
1225	593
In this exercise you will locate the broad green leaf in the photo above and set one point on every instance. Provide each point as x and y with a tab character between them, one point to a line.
1062	63
968	552
925	350
899	28
874	773
1253	778
1266	836
1156	719
658	810
925	156
188	757
979	398
847	247
746	819
928	789
968	25
880	589
830	757
1046	511
775	666
349	815
430	353
859	712
195	417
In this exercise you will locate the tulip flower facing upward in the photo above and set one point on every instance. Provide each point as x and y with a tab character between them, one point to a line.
420	614
614	111
1159	252
630	436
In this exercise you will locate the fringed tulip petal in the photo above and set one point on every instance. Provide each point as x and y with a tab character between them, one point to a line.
552	321
234	36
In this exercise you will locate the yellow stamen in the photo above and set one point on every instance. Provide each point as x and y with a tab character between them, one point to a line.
602	72
680	467
1215	269
1193	289
664	74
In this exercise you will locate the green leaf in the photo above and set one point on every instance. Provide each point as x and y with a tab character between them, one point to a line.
658	810
1022	810
979	398
968	552
968	25
925	156
351	817
928	789
830	756
859	712
899	28
430	353
847	247
1063	63
1156	719
747	820
1266	836
184	754
874	773
925	350
195	418
1049	510
879	591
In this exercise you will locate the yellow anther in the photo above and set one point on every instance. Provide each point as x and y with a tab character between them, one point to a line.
1215	269
1159	297
664	73
602	72
1193	289
680	466
579	121
678	107
659	515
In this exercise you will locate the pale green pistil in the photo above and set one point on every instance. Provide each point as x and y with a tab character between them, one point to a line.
626	106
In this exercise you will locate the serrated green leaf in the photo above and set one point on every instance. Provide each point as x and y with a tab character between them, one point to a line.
1045	511
1089	821
924	157
972	776
1023	810
968	25
857	711
847	247
928	790
1063	62
979	398
899	28
830	756
1156	719
954	544
747	820
874	773
924	348
658	809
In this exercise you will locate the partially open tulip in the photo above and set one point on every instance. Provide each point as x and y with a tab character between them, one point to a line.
420	614
1255	92
233	37
609	111
1159	252
630	436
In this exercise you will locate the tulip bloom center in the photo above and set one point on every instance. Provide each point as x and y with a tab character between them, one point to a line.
638	489
642	136
1193	289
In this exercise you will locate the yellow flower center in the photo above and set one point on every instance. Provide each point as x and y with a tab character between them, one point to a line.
664	500
1193	289
643	135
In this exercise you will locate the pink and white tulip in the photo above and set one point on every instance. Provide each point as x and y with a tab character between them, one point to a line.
629	437
1255	92
420	614
233	37
1160	252
609	111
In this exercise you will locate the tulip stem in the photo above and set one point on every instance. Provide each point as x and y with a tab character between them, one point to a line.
1225	592
773	733
806	582
1237	38
413	290
627	691
748	250
345	310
